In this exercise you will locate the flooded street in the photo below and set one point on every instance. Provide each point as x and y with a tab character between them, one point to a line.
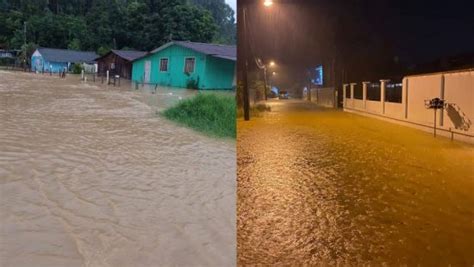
319	186
90	176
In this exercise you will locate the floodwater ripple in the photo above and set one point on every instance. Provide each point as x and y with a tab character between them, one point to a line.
321	187
90	176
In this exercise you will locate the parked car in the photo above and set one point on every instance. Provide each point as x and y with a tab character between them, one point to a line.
283	95
272	95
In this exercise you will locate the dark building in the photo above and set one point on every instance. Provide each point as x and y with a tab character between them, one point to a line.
118	62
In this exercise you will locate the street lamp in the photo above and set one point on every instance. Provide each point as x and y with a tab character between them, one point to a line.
268	3
272	63
244	56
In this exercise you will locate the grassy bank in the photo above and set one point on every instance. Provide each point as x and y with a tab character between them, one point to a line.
207	113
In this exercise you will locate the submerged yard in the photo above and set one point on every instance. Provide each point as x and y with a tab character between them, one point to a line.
90	176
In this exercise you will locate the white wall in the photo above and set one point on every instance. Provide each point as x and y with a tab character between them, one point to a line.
421	88
358	104
394	110
456	88
374	106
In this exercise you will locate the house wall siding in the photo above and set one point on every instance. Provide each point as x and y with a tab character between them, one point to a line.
39	64
122	66
219	73
210	72
175	75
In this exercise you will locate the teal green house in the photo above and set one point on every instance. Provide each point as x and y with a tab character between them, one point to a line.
188	65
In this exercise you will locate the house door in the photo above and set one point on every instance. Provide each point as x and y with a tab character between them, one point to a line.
147	71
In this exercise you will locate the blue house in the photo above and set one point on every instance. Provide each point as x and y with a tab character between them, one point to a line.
56	60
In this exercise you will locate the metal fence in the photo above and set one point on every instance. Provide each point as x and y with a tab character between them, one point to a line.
373	91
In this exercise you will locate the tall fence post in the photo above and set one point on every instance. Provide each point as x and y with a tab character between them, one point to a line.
405	97
383	85
441	95
364	93
352	94
344	94
108	78
82	75
352	90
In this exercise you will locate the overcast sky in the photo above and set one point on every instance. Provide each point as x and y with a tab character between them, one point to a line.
232	3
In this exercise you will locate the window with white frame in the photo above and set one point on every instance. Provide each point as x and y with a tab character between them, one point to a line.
189	64
163	64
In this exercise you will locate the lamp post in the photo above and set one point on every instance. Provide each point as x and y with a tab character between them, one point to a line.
266	3
265	77
245	87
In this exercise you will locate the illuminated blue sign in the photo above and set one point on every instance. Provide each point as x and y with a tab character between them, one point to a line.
318	75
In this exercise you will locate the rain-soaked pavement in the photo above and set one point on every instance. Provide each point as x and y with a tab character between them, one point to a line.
90	176
318	186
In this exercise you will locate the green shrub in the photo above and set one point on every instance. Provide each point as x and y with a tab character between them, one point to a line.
208	113
77	68
193	84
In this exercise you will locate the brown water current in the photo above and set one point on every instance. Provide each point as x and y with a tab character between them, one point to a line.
91	176
324	187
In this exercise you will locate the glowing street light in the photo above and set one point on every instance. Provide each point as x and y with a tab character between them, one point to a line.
274	73
272	63
268	3
244	48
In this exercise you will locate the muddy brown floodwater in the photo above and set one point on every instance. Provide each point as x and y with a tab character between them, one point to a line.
320	187
90	176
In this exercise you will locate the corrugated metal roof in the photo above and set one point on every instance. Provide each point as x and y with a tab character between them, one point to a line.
222	51
129	55
65	55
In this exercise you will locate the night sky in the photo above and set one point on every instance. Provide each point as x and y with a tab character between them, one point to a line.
364	34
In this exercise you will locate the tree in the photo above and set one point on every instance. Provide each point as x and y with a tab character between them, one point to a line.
75	44
27	51
189	23
106	24
224	17
136	20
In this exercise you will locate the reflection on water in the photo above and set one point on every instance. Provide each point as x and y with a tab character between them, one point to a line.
90	176
318	186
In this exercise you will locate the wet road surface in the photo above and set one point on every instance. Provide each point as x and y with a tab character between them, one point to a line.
90	176
318	186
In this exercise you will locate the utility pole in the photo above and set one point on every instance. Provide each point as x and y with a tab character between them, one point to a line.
24	45
265	82
24	32
309	85
245	66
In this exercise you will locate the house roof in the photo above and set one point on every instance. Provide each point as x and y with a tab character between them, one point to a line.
228	52
129	55
65	55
